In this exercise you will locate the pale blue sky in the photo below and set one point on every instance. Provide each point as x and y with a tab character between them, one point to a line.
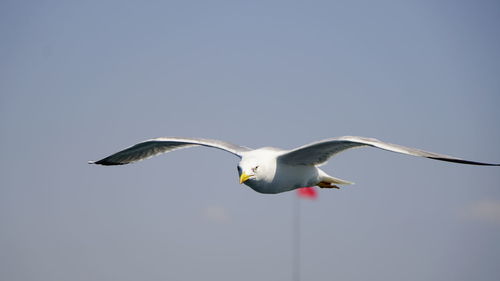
81	80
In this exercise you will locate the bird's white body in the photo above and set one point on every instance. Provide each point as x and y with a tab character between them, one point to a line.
273	176
272	170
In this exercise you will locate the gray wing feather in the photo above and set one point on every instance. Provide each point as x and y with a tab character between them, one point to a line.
152	147
319	152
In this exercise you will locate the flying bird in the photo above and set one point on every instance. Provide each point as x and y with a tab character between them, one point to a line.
272	170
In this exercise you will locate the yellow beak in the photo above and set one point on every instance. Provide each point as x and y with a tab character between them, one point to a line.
244	177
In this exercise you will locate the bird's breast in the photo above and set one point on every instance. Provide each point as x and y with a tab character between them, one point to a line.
286	178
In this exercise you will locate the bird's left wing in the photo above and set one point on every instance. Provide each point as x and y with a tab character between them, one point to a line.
319	152
152	147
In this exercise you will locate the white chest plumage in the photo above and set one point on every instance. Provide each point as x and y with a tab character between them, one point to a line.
269	175
286	178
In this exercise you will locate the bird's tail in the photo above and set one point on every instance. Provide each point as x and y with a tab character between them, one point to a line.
332	180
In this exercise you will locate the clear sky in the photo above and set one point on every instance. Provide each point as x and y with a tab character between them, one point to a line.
82	79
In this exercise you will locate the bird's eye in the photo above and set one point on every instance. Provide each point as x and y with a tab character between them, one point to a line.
255	168
239	169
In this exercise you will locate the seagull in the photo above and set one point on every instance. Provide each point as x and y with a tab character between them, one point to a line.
272	170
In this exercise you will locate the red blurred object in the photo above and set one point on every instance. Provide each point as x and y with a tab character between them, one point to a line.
307	192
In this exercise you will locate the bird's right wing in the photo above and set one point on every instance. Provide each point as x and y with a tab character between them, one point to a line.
152	147
319	152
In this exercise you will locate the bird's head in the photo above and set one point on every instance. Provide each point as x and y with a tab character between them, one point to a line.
249	172
257	166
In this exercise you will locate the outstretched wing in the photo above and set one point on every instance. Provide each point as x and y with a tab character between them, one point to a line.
319	152
152	147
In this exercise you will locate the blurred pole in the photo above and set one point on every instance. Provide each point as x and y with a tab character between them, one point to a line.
296	239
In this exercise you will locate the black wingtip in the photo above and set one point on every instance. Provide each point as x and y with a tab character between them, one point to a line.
105	162
460	161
